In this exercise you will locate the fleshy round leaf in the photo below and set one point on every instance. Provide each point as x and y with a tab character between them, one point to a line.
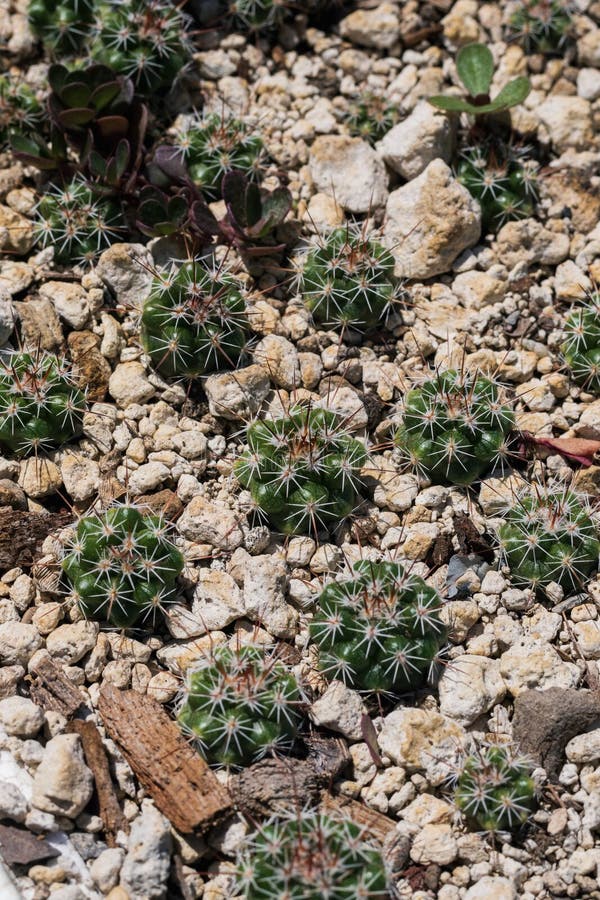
475	67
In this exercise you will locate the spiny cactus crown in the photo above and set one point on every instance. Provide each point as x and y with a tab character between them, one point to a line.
454	426
581	348
494	790
302	469
310	856
214	145
41	406
380	631
194	320
20	110
256	15
240	704
549	535
371	117
348	281
122	565
63	25
542	26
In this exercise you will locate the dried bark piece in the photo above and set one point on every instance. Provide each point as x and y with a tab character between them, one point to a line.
181	784
21	847
23	534
52	689
375	824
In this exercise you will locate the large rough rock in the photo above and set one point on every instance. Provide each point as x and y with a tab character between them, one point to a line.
264	581
429	221
418	738
349	170
126	270
62	784
237	395
533	663
146	868
379	27
16	232
340	709
470	687
206	522
567	122
410	146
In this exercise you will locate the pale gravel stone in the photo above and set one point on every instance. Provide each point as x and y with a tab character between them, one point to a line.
434	844
469	687
147	478
279	359
7	314
70	301
426	134
587	638
340	709
265	583
145	869
129	384
584	748
237	395
39	477
205	522
349	170
492	887
126	269
217	600
20	716
62	784
531	664
18	643
412	737
13	803
81	476
378	27
70	643
566	121
477	289
106	867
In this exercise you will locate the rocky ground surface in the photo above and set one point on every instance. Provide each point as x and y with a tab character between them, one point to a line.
498	303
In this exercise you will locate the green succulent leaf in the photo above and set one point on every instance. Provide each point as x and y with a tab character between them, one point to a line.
475	67
512	93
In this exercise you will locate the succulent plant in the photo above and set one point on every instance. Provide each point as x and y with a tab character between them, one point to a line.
302	470
475	67
20	110
371	117
347	281
194	321
502	180
380	631
41	406
549	535
310	856
256	15
62	25
494	790
542	26
240	704
581	347
253	214
454	426
122	565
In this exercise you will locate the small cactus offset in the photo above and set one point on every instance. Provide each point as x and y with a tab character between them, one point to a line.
256	15
240	704
310	856
122	565
20	110
549	535
302	470
62	25
347	281
581	347
380	631
194	321
371	117
502	180
41	406
494	790
454	426
542	26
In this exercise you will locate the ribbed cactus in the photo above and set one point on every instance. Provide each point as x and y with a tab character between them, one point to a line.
380	631
256	15
122	565
310	856
63	25
454	426
581	347
542	26
41	406
20	110
347	280
503	180
494	790
194	321
240	704
371	117
302	470
549	534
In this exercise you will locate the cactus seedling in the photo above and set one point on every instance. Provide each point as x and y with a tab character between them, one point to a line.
253	214
302	470
240	704
542	26
503	181
122	565
310	856
380	631
370	117
20	109
494	790
256	15
41	406
454	426
548	534
581	348
193	321
63	25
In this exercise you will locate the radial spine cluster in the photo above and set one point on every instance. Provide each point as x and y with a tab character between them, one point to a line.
581	348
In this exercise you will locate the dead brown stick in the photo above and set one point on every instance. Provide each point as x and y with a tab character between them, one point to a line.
374	823
51	689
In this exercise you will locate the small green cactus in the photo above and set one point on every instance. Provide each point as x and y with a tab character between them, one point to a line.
370	117
454	426
240	704
122	565
310	856
347	281
494	790
542	26
502	180
302	469
62	25
581	348
380	631
20	110
41	406
214	145
194	321
549	535
256	15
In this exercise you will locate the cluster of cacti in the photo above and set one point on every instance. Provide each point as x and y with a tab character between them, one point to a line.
502	179
63	25
494	789
347	280
311	856
122	565
302	470
581	347
214	145
20	110
549	535
380	631
194	320
370	117
454	426
542	26
41	406
239	704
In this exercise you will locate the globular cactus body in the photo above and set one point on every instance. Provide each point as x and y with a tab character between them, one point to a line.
256	15
63	25
380	631
494	790
41	406
20	109
240	704
542	26
122	565
454	426
581	348
370	117
502	180
302	470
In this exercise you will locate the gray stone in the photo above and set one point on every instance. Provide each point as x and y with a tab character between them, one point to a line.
129	384
469	687
70	301
13	804
340	709
62	784
205	522
378	27
265	581
70	643
217	600
349	170
126	269
18	643
106	867
7	315
146	867
239	394
20	716
426	134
